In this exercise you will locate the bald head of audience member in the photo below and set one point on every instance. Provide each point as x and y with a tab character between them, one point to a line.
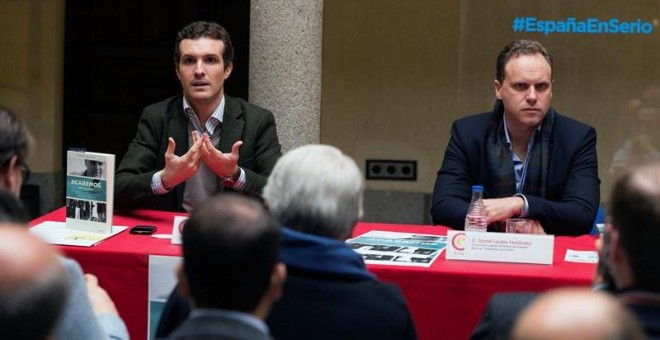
231	256
316	189
582	314
635	231
33	285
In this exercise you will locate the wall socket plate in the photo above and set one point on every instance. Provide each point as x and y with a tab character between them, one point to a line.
397	170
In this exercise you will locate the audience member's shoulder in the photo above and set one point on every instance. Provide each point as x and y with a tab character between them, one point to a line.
72	266
391	292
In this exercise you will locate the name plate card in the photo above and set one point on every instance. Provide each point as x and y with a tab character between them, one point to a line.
177	228
500	247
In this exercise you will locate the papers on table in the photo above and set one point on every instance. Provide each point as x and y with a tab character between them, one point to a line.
581	256
399	249
57	233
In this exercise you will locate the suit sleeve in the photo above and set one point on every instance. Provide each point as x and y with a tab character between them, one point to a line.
133	176
267	151
451	194
575	212
78	320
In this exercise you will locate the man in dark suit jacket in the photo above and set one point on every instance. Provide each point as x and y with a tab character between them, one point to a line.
316	193
230	269
189	147
533	162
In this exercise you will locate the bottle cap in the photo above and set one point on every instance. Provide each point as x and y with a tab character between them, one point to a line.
477	188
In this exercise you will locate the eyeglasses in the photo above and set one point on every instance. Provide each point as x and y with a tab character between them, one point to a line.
25	172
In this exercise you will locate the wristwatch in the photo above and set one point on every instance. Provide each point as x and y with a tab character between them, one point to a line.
230	181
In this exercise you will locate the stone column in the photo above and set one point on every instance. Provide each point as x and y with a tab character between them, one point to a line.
285	66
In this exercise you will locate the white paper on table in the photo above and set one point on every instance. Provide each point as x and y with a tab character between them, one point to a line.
57	233
587	256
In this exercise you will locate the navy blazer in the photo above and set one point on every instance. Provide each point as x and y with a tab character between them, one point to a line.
253	125
573	187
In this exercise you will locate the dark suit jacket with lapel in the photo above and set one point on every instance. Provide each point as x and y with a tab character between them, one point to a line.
572	190
217	327
253	125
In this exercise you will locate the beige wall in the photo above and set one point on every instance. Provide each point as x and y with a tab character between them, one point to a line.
397	73
31	63
390	82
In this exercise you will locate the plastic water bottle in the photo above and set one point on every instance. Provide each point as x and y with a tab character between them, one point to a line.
475	220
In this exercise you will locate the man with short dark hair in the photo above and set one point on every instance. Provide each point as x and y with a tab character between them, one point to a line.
33	285
187	147
230	269
633	246
532	161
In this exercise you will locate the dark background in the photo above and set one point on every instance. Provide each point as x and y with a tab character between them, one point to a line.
119	58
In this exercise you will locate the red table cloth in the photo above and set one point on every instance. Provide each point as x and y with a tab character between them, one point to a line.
446	300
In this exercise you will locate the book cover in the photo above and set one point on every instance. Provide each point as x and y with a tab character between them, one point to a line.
90	191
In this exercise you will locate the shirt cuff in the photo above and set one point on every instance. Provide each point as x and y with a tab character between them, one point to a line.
525	210
239	185
157	184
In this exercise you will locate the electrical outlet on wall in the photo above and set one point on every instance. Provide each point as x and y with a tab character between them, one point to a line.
397	170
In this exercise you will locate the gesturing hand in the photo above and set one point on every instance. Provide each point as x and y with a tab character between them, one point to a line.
179	169
222	164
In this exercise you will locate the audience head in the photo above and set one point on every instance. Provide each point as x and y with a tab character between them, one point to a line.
15	143
205	29
515	49
635	230
230	256
33	285
317	190
568	314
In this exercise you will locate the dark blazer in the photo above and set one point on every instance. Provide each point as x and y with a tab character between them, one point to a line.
253	125
500	315
333	307
217	327
323	307
573	187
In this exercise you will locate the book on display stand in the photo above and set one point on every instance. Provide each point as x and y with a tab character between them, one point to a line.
90	191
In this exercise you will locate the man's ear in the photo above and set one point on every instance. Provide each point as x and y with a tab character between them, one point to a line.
228	68
10	177
498	87
277	279
184	288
